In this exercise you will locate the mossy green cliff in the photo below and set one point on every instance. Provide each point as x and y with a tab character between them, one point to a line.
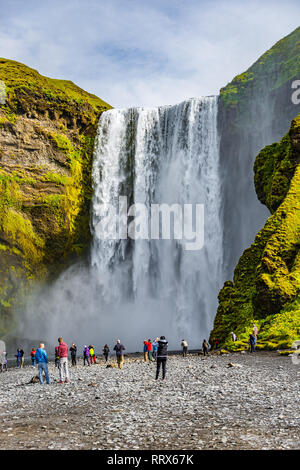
266	284
47	131
255	110
280	65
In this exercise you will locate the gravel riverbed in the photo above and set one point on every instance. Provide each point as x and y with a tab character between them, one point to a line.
203	404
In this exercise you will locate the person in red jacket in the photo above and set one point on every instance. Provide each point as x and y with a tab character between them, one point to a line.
149	349
145	351
63	362
32	354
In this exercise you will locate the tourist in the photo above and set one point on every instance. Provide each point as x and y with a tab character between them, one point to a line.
184	347
86	355
73	350
155	348
119	348
162	354
149	350
255	330
3	360
63	362
205	347
18	356
32	354
92	354
145	351
42	362
252	342
22	358
106	352
233	335
56	355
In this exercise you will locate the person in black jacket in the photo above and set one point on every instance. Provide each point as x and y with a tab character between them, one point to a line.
73	350
106	352
205	347
119	348
252	343
162	354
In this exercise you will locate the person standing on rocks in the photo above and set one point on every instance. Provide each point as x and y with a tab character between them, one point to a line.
86	355
149	350
162	354
56	357
42	362
3	360
63	362
184	347
252	343
73	350
92	354
205	347
145	351
22	358
32	354
155	348
18	356
119	348
106	352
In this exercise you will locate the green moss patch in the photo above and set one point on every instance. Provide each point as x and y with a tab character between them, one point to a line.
281	64
44	210
266	285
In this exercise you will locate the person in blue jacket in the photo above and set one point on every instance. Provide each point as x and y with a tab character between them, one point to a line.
155	348
18	356
42	362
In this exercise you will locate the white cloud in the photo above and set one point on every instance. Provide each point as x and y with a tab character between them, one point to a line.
141	53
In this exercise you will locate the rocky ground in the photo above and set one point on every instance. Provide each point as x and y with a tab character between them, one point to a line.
203	404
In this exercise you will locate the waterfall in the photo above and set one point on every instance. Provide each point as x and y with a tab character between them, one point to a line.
143	288
169	155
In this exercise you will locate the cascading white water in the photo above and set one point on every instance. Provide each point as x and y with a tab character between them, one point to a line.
135	289
166	155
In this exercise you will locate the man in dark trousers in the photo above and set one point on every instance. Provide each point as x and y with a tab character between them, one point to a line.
73	350
252	343
162	354
119	348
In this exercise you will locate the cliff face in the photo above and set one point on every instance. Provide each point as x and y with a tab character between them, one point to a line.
266	284
47	131
255	110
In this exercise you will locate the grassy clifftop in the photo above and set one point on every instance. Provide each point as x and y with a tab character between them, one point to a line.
47	131
266	284
28	91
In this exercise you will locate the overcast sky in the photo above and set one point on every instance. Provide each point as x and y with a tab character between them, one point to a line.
143	52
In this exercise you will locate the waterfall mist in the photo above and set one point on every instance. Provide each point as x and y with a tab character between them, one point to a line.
143	288
264	116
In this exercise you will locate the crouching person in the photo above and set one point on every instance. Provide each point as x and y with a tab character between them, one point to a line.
42	362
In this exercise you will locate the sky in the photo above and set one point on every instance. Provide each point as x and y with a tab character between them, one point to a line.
143	52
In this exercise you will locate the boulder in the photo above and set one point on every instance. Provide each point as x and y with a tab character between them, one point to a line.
36	380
